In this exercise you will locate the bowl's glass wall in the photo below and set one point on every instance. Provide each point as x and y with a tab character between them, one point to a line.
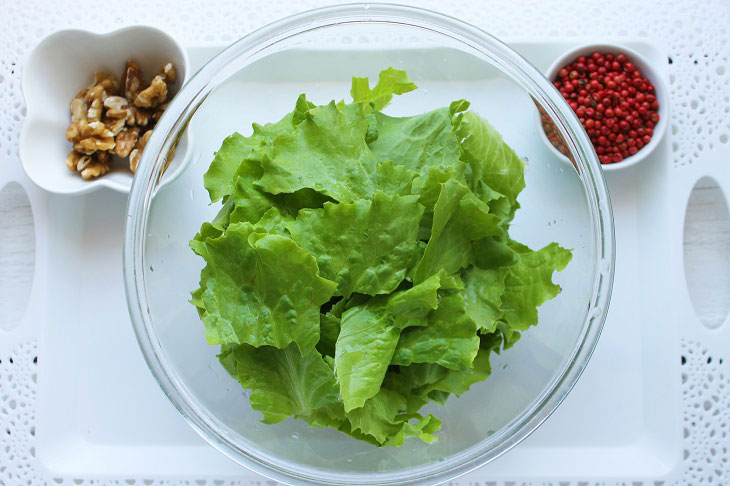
556	206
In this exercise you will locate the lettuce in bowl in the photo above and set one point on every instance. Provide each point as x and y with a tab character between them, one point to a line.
361	267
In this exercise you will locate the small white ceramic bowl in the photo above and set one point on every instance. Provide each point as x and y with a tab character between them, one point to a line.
646	69
63	64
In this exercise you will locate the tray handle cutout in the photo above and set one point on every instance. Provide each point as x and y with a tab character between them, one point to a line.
17	254
22	231
706	250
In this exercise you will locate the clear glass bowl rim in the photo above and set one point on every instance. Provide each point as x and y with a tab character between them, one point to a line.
254	46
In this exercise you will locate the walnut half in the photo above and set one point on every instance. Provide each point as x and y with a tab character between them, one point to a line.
126	141
78	109
132	80
136	154
168	73
98	165
88	137
90	166
155	94
75	159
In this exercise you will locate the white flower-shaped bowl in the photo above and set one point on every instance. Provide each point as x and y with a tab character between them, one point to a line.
63	64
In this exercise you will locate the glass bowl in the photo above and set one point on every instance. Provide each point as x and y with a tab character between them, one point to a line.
257	79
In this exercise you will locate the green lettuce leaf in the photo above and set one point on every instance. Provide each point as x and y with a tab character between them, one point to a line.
417	142
528	284
325	152
510	335
428	187
369	335
499	204
378	416
284	382
391	416
493	252
261	289
449	339
457	382
221	176
249	202
213	229
329	325
511	294
459	219
391	81
394	179
483	291
364	348
381	419
491	159
329	331
367	246
434	380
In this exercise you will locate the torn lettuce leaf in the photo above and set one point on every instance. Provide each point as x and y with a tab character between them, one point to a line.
369	335
490	158
261	289
459	218
448	339
220	178
528	284
326	152
417	142
285	382
367	246
390	82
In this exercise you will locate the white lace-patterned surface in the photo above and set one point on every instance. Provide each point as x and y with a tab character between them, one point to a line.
696	36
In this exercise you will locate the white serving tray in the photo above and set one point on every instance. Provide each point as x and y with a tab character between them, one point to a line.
101	415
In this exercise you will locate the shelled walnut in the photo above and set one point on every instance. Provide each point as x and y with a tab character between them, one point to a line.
137	152
89	166
112	117
132	80
126	141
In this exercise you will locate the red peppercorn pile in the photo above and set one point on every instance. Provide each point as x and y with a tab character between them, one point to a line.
615	103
